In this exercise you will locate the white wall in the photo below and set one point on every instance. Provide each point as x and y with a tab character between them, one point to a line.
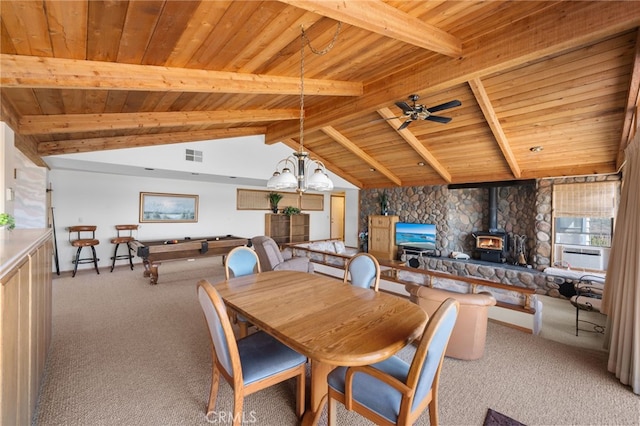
23	184
6	162
107	200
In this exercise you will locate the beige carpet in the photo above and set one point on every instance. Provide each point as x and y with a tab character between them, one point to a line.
128	353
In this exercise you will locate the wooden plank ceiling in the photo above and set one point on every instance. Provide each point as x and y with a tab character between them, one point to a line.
83	76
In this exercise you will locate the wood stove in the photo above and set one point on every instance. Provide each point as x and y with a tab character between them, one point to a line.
492	246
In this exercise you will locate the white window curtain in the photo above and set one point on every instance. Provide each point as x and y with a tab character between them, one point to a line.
621	299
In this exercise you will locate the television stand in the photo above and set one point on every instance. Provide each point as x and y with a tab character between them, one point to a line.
419	251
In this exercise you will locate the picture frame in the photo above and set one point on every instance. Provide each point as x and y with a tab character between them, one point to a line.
156	207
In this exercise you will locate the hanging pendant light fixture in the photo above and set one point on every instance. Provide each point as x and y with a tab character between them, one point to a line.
293	172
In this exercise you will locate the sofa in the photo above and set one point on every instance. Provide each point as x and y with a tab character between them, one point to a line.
468	338
272	259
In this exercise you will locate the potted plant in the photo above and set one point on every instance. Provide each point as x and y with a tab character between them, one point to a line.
384	203
291	210
274	199
7	220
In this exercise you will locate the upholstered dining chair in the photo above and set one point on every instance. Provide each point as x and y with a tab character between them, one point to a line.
241	261
272	259
363	270
251	364
394	392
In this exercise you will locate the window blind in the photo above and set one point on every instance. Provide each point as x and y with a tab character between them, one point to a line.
595	199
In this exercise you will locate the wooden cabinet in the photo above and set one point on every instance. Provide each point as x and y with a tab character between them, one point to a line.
25	321
382	235
287	229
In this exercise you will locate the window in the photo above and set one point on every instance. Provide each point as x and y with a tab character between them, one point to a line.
584	231
583	213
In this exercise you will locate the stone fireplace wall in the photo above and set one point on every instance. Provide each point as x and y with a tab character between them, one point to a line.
523	210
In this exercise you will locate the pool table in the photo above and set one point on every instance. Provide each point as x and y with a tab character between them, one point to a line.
153	252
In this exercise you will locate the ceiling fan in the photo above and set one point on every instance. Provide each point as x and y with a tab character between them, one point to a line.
416	111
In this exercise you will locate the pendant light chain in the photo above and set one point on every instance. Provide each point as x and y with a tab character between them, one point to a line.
305	40
294	174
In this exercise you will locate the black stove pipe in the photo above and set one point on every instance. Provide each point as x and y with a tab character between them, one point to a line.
493	209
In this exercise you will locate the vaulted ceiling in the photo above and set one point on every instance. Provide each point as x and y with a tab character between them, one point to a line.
81	76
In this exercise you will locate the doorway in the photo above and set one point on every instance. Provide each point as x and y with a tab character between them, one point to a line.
337	216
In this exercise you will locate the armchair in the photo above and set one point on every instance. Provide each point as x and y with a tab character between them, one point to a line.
272	259
469	334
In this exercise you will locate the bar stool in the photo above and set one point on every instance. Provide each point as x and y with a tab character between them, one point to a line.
123	239
84	241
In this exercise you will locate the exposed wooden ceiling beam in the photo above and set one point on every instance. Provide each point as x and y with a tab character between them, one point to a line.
496	128
73	146
631	109
70	123
55	73
344	141
329	165
381	18
8	113
26	144
497	51
29	147
410	138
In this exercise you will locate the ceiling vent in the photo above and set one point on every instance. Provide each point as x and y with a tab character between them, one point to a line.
193	155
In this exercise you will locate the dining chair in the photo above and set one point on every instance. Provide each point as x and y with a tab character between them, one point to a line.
394	392
364	271
241	261
253	363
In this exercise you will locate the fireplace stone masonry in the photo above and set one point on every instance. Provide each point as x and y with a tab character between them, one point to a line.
459	213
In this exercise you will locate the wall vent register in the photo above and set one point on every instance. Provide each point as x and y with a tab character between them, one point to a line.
193	155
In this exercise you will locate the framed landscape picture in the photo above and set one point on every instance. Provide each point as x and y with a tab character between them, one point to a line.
159	208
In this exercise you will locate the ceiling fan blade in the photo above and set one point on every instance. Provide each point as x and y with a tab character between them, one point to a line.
438	119
445	105
405	124
404	107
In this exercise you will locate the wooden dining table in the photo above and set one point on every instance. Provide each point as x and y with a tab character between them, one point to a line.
330	322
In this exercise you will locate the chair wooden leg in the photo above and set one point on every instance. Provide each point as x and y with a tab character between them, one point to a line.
433	413
213	393
238	401
300	394
331	413
244	329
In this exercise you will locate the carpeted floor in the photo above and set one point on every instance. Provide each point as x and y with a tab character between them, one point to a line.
128	353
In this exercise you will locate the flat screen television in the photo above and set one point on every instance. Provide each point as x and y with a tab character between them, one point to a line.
416	235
